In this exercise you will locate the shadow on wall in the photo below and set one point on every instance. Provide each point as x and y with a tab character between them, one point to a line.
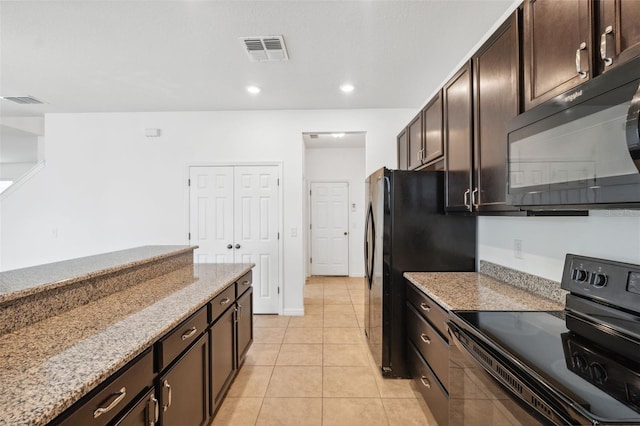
20	151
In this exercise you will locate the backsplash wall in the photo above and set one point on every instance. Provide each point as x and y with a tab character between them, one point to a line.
609	234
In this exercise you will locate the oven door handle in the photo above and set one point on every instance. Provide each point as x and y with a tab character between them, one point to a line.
470	347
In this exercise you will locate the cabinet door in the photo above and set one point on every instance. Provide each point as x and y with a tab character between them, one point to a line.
245	324
618	32
458	139
223	356
402	151
145	412
415	142
496	101
432	117
184	388
557	47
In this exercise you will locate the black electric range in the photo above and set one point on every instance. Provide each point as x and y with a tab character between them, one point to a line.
577	366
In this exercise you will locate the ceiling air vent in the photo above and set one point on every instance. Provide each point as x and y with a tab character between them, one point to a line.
313	136
265	48
23	100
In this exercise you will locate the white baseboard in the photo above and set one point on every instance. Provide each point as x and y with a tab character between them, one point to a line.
293	312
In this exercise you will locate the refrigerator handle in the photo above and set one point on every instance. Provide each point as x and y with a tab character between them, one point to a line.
368	225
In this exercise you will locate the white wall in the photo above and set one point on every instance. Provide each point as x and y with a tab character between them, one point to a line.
107	187
346	165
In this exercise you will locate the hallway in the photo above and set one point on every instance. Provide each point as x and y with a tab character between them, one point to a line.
317	369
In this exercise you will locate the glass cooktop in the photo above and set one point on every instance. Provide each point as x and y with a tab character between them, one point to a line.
597	381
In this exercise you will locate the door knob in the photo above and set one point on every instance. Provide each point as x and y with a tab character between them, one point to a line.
229	246
345	233
237	246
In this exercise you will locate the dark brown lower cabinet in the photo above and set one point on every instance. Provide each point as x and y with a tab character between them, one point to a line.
245	324
145	412
184	388
432	391
223	356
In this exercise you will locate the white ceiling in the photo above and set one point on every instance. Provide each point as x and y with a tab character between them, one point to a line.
93	56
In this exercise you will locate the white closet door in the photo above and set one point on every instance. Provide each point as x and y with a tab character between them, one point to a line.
329	228
256	231
211	210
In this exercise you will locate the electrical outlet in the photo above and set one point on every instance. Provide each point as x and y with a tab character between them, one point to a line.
517	249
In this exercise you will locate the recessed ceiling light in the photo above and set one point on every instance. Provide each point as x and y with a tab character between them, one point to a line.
254	90
337	135
347	88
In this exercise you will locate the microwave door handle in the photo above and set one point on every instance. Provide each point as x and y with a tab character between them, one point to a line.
633	129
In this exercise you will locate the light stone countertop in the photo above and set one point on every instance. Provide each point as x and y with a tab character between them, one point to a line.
471	291
49	365
22	282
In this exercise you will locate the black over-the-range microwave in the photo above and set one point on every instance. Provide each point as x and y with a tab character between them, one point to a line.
580	149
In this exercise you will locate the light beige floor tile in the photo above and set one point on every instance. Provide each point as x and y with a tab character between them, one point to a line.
345	355
314	300
338	309
349	382
252	381
313	310
406	412
238	411
353	412
300	354
303	335
357	299
262	354
337	300
268	335
395	388
336	290
272	321
313	321
343	335
290	411
341	320
295	381
313	291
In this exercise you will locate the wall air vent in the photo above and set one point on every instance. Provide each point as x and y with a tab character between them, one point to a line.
265	48
23	100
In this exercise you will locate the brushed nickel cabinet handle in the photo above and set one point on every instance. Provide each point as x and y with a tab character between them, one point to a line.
246	282
225	301
189	333
425	307
240	310
425	339
466	198
167	386
579	70
425	382
603	46
474	198
153	411
122	393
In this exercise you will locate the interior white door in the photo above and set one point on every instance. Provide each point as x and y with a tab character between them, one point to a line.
234	213
211	209
256	231
329	228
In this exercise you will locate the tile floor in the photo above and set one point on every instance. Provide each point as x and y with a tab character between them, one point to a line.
317	369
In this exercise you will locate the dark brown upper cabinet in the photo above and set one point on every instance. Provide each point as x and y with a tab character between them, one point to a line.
432	125
558	47
458	137
402	150
416	140
496	101
618	32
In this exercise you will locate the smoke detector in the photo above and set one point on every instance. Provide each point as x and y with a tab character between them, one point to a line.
265	48
23	100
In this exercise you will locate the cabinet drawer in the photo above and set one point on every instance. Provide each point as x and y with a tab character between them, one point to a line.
430	310
432	347
144	413
174	343
431	390
112	398
222	301
244	283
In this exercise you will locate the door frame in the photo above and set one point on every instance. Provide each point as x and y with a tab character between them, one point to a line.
277	164
309	206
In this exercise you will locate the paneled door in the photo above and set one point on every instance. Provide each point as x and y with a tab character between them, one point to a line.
234	215
329	228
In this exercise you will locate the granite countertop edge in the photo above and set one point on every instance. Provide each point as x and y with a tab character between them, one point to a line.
175	308
41	288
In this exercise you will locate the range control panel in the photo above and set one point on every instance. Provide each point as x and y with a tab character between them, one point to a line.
612	282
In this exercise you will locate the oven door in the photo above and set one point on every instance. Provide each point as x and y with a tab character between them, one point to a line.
490	390
581	149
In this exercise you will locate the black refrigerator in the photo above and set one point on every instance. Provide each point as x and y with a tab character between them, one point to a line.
406	231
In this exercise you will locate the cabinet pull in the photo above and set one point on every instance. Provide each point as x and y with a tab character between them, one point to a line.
466	198
579	70
474	199
189	333
425	307
246	282
425	339
425	382
240	310
225	301
167	386
153	411
122	393
603	46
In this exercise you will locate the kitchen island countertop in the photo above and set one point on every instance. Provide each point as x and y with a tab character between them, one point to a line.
472	291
